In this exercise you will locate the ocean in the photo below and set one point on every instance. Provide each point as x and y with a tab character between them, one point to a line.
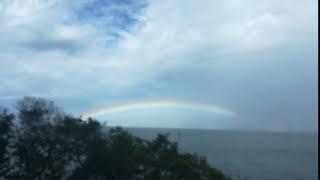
248	155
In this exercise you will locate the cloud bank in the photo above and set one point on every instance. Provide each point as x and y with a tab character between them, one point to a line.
258	58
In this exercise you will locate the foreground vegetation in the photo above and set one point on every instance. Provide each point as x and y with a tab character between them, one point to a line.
40	142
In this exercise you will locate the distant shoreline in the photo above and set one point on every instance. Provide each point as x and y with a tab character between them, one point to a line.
226	130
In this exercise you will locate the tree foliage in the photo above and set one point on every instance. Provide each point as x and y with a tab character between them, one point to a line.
43	143
6	123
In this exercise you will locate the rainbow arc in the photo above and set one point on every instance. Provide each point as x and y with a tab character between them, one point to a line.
159	104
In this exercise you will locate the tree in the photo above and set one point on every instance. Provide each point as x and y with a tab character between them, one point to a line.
47	144
80	139
39	152
34	112
6	123
122	156
110	156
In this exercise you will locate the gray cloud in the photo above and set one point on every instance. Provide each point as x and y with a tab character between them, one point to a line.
40	44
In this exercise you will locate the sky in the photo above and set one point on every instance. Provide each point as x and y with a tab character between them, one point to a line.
257	59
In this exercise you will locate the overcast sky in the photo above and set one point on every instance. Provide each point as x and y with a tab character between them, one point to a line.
255	58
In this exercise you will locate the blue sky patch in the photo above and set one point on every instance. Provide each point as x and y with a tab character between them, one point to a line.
111	16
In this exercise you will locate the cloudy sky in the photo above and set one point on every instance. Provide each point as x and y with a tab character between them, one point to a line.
255	58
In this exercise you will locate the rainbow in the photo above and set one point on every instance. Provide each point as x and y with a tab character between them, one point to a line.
159	104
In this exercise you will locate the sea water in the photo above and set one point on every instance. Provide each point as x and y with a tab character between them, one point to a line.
245	155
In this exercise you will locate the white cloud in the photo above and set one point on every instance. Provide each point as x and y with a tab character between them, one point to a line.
170	32
45	51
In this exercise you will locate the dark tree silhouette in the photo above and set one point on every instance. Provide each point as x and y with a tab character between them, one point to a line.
39	149
6	123
47	144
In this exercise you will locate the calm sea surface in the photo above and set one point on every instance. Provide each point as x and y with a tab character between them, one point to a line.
249	155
